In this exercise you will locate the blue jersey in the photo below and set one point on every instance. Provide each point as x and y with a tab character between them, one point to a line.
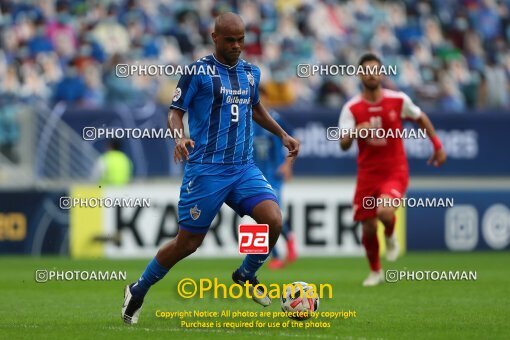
219	106
269	152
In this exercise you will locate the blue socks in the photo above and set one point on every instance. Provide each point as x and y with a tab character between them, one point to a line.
252	263
152	274
155	272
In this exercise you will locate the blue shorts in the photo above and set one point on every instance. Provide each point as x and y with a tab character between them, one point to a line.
205	187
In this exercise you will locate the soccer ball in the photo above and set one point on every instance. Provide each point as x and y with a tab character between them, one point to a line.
299	299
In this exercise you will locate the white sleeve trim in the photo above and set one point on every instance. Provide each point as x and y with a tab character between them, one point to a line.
410	109
346	120
177	107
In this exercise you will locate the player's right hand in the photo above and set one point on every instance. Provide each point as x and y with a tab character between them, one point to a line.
292	145
181	153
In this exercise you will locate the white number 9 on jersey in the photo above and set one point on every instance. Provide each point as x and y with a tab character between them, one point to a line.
234	110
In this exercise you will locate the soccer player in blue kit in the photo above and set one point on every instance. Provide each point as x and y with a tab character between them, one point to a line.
220	167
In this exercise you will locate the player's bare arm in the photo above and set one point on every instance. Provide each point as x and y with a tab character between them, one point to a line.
439	155
175	124
264	119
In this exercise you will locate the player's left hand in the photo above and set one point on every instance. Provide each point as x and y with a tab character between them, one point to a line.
181	152
438	158
292	145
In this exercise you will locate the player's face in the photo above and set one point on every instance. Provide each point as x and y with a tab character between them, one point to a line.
371	81
229	43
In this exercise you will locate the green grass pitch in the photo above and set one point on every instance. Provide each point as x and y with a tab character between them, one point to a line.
418	310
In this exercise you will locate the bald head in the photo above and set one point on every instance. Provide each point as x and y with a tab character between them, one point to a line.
228	37
228	22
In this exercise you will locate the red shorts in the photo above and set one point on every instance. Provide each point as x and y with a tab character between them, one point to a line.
371	186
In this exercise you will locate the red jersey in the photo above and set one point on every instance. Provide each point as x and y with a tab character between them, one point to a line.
380	155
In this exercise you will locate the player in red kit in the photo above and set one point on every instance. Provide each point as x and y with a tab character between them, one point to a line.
383	172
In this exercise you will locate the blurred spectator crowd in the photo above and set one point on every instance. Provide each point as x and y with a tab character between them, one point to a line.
451	55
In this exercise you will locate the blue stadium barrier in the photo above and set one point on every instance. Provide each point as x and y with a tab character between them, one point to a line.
473	142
